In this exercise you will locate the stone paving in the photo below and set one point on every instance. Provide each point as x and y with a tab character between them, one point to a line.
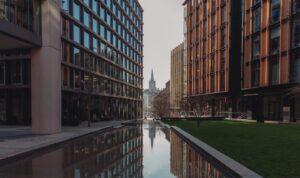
19	141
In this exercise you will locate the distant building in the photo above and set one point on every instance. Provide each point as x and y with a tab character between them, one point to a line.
177	79
161	102
149	94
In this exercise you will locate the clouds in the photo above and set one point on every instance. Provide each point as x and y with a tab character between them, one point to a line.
163	30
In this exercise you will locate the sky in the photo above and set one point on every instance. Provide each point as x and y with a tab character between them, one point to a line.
163	31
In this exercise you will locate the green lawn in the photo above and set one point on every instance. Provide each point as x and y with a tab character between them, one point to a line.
271	150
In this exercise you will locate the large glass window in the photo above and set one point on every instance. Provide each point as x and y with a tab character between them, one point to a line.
86	41
16	72
24	13
102	31
76	11
76	34
275	11
77	79
255	2
256	48
95	5
87	2
255	63
76	56
95	26
274	70
223	15
295	66
2	73
255	70
296	34
86	18
102	13
256	20
296	6
102	48
65	5
275	41
95	45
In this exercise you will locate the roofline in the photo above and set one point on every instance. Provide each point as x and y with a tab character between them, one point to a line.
138	2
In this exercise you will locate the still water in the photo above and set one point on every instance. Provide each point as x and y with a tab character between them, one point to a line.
149	150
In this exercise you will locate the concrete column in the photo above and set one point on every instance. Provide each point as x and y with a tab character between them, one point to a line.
46	72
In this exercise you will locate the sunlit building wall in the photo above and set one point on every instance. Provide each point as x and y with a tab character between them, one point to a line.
177	79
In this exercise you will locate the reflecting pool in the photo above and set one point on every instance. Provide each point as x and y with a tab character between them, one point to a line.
148	150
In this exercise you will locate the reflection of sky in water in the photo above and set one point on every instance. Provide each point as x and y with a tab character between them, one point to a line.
156	159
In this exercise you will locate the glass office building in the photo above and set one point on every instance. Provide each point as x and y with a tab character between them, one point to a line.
102	50
90	50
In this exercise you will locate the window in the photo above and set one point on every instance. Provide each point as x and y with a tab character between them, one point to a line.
102	31
2	73
255	63
296	34
65	5
65	28
95	45
102	13
95	6
65	52
255	70
102	49
223	37
296	6
16	72
65	76
275	11
87	2
256	48
86	40
213	43
212	83
25	14
86	18
76	11
256	20
275	41
223	15
255	2
95	26
222	73
295	66
76	34
77	79
76	56
274	70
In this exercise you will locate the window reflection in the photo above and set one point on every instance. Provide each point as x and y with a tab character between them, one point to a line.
24	13
76	11
76	34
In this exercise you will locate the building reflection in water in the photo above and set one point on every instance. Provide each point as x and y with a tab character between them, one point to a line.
152	132
187	162
117	153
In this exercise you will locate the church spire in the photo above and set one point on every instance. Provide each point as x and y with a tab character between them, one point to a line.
152	82
152	75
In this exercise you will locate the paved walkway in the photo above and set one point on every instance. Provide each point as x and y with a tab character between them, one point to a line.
19	141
